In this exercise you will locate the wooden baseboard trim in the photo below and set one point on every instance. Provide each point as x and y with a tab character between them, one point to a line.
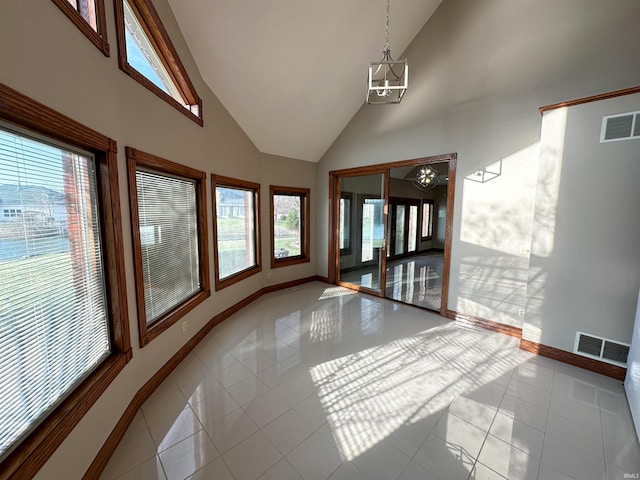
592	365
486	324
596	366
100	462
291	284
108	448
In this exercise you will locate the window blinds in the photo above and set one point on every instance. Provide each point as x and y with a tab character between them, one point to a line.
167	213
53	313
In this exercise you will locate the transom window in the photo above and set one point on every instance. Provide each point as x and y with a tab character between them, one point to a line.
236	229
170	240
64	333
89	17
146	53
289	225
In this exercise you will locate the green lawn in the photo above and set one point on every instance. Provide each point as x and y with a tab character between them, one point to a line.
25	278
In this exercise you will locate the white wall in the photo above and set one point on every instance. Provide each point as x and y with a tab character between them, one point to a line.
585	255
44	56
478	73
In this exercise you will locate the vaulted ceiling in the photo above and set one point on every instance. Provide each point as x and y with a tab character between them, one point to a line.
292	73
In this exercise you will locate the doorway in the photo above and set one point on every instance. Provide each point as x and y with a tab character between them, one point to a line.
390	236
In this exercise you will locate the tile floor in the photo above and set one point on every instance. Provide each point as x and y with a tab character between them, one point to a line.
319	382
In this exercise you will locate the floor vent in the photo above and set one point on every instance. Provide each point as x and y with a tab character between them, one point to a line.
601	348
623	126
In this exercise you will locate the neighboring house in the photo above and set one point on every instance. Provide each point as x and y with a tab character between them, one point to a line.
35	204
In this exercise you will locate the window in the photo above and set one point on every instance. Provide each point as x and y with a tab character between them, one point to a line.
403	228
345	223
89	17
289	225
412	235
13	212
64	332
146	53
372	227
236	229
169	240
427	220
399	240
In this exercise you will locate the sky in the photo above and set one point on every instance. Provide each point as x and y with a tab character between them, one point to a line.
24	161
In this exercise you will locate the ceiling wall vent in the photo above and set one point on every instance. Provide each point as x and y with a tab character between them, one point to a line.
602	349
623	126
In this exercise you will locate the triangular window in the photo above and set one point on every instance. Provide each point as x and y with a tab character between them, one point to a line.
147	55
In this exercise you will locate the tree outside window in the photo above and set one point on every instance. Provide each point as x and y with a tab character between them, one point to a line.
289	225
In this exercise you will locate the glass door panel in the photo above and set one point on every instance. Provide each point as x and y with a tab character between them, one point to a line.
362	264
399	240
413	228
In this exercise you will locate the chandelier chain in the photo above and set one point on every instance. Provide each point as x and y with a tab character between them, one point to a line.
386	45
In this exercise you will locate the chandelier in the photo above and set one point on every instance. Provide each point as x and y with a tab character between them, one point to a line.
426	178
388	78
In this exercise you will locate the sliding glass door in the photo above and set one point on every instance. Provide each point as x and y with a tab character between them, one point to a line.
362	211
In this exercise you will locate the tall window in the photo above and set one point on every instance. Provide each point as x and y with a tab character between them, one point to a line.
399	239
170	240
345	223
63	316
290	213
372	227
403	227
412	234
427	220
146	53
89	17
236	229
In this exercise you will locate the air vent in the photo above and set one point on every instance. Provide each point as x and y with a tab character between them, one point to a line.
601	348
623	126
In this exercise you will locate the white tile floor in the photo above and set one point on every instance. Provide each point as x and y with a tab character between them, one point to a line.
319	382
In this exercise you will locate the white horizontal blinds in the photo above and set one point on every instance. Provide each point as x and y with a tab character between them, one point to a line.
167	214
236	231
53	313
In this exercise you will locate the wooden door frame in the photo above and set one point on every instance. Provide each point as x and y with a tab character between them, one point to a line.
334	215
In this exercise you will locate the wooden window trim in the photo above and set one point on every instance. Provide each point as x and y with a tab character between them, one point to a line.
158	36
99	37
29	456
430	202
305	196
135	159
222	181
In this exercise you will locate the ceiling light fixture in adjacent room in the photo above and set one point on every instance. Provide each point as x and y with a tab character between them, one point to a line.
388	78
426	178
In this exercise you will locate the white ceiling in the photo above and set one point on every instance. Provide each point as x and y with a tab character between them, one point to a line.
292	73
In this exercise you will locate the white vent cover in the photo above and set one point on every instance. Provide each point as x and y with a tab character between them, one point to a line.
623	126
602	349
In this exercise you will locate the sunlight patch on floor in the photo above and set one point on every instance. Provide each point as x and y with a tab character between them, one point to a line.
372	393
